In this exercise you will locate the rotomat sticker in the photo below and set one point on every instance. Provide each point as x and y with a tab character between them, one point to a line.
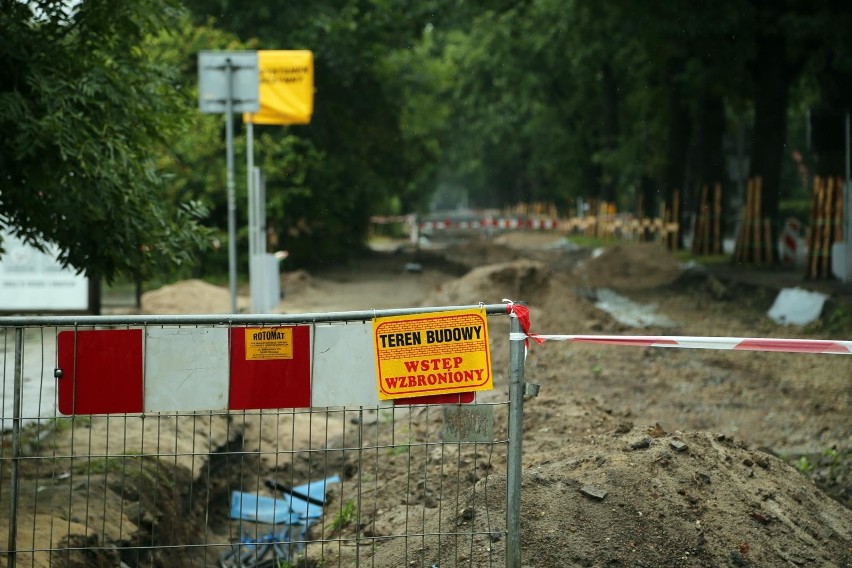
265	343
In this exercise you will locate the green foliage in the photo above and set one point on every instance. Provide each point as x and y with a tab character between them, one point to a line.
135	466
836	321
83	109
828	469
324	180
399	450
592	242
840	320
798	208
804	465
489	103
345	517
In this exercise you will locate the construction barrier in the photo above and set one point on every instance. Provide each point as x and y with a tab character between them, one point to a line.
603	226
237	440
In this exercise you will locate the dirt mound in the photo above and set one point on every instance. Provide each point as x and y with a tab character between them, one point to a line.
295	282
490	284
189	297
630	266
480	253
632	499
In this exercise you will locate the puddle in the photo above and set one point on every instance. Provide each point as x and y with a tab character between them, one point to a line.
628	312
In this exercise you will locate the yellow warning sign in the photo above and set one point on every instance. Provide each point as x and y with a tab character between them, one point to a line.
267	343
286	87
434	353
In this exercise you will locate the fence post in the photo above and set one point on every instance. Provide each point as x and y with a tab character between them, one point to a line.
516	433
16	447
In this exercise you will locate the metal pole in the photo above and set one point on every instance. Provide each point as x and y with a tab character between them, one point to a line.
252	219
16	447
261	211
231	319
516	435
232	204
260	242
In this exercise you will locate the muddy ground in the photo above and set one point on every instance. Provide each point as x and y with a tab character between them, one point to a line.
631	456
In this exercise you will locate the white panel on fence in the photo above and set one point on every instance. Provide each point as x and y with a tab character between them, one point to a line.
186	369
344	372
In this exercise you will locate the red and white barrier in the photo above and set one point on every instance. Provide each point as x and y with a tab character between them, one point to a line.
501	223
791	245
171	369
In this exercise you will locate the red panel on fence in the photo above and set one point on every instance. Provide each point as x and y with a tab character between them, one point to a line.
270	368
101	371
455	398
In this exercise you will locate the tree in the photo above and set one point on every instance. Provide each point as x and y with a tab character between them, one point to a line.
83	111
352	161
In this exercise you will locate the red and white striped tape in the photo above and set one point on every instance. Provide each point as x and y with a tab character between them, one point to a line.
719	343
683	342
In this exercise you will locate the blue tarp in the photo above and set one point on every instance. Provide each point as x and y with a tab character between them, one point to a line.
288	509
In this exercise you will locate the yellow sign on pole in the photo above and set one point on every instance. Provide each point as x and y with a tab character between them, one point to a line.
434	353
286	89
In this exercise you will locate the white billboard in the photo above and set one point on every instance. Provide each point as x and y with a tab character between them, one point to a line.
31	280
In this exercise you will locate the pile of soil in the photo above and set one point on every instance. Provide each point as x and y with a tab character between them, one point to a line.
190	297
630	266
646	498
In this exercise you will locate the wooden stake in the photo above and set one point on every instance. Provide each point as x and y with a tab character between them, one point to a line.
838	210
814	236
767	240
676	219
740	242
705	244
826	229
809	237
717	219
756	215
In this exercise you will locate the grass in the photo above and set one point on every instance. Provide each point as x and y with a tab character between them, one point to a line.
828	469
42	435
132	465
593	242
684	256
345	516
398	450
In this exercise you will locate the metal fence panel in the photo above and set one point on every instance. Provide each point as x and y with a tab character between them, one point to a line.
318	486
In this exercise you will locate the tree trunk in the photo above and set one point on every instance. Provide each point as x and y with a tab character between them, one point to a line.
828	123
770	133
709	163
674	175
610	126
94	295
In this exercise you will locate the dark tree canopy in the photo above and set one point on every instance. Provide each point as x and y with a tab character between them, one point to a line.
83	111
450	102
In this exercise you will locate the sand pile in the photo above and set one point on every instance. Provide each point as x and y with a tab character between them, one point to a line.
189	297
